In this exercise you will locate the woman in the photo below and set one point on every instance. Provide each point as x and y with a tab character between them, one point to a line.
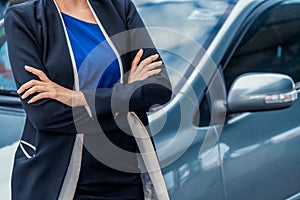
66	91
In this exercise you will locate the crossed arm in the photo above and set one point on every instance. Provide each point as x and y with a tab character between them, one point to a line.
51	106
45	88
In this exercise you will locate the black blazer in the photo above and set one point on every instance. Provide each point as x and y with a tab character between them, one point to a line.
36	37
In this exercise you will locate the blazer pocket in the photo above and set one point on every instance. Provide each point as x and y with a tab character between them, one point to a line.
27	149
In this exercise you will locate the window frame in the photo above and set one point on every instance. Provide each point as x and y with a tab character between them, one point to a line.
237	45
232	47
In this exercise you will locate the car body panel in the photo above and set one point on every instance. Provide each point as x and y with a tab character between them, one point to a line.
256	154
233	168
262	156
262	150
12	123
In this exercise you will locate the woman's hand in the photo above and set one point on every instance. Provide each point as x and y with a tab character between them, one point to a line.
144	69
45	88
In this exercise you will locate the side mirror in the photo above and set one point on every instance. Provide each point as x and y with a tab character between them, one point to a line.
261	91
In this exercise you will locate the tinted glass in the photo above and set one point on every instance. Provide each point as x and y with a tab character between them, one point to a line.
3	5
6	78
272	44
199	20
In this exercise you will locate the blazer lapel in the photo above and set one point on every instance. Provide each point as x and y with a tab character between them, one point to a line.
58	62
115	27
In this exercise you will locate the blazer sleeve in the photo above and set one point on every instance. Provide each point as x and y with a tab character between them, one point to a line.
52	116
24	49
138	96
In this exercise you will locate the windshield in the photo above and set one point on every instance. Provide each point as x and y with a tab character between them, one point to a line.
198	20
183	24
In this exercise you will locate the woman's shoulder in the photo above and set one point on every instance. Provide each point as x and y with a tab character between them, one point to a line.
122	3
122	6
23	10
22	7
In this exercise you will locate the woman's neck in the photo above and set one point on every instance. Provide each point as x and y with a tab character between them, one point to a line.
71	5
77	8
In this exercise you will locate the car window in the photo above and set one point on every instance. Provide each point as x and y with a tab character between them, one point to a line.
199	20
272	44
3	5
7	83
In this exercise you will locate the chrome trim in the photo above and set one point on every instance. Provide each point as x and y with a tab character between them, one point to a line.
294	197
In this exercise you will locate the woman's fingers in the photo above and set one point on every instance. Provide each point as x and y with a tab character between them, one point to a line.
146	62
40	96
149	60
151	66
42	76
146	71
28	85
32	83
46	89
151	73
34	89
145	68
137	59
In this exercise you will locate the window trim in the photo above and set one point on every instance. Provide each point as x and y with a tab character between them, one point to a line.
244	29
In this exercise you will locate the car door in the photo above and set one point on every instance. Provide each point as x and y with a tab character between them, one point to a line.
261	158
11	118
181	30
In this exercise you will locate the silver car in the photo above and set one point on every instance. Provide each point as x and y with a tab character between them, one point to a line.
232	128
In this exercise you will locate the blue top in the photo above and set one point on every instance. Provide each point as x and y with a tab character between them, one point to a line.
96	62
97	67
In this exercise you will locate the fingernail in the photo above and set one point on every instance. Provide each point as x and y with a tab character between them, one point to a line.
22	96
26	67
18	91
